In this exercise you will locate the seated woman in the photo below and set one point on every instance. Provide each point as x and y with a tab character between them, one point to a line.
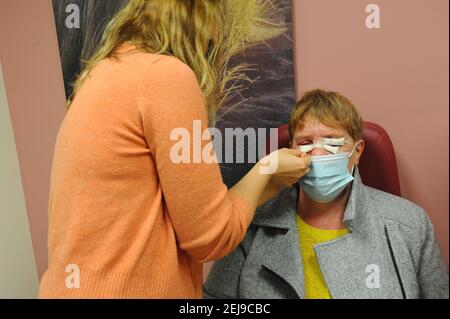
330	236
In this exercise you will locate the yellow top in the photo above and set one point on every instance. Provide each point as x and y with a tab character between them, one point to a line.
315	286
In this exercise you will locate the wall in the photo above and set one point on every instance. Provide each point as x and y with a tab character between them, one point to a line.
396	75
18	275
34	85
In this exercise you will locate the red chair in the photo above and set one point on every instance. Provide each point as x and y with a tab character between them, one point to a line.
377	166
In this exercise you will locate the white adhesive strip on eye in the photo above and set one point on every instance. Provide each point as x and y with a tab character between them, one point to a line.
306	148
331	149
333	141
325	144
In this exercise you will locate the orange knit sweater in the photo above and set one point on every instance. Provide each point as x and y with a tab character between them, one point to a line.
134	223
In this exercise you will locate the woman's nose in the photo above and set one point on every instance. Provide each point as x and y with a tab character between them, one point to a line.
318	152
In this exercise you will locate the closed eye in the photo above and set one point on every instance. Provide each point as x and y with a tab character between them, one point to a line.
302	143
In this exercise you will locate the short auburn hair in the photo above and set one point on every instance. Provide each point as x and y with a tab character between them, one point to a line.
329	108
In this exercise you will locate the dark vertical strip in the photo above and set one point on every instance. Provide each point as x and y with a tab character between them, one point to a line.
394	262
269	100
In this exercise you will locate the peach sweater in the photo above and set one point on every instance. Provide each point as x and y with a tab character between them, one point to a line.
135	224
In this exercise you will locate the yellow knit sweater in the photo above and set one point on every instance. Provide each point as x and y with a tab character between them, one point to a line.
315	286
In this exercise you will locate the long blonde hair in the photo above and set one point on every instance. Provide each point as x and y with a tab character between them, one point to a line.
203	34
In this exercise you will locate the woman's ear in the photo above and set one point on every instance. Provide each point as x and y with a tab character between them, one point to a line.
359	151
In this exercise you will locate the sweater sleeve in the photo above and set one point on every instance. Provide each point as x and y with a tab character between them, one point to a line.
209	221
432	273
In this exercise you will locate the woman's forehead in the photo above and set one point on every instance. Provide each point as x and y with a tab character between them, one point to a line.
312	127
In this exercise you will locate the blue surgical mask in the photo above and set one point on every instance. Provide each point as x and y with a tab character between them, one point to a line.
328	177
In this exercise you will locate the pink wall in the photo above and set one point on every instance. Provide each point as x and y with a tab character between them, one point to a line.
396	75
33	78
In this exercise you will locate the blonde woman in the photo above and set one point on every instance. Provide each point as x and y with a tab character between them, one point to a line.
125	219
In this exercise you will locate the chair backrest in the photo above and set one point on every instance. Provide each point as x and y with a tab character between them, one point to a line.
377	166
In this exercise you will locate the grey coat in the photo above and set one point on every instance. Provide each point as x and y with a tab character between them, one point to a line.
390	252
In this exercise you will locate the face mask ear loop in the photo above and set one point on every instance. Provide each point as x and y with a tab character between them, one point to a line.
350	155
353	151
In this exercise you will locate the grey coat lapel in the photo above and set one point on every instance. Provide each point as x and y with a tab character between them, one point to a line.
345	262
283	258
282	255
341	260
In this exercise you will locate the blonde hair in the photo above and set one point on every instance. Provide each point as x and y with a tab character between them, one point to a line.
329	108
203	34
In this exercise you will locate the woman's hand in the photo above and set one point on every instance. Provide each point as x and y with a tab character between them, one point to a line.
292	165
287	166
279	169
